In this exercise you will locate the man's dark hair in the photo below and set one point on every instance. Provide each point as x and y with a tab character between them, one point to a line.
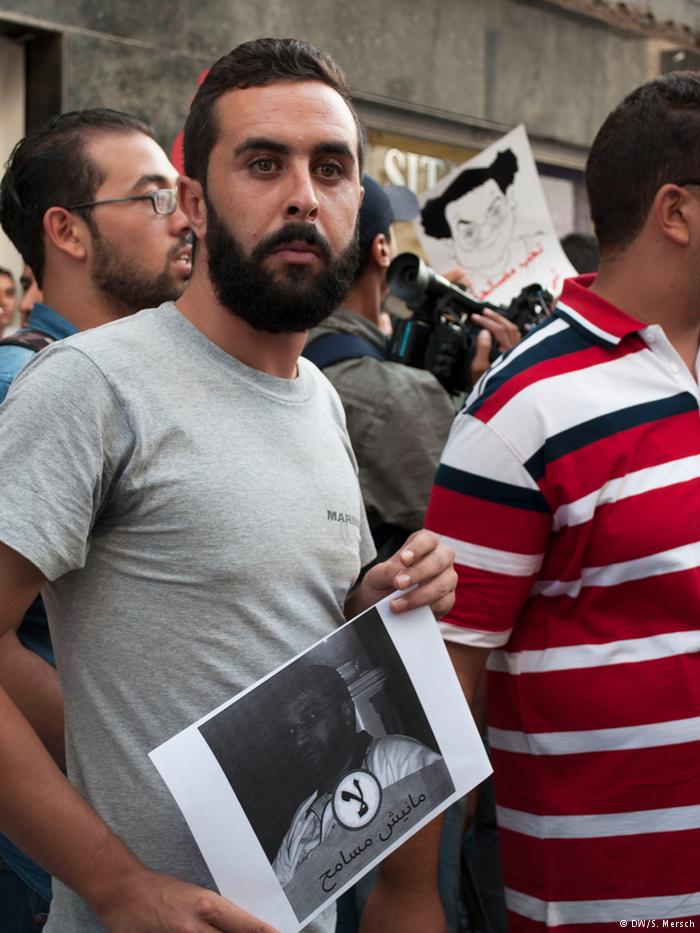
322	679
51	168
649	140
582	251
502	170
256	64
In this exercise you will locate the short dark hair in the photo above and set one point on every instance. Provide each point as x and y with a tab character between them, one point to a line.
51	168
256	64
582	251
649	140
502	170
301	677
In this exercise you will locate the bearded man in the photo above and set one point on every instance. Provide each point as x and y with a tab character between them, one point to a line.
184	536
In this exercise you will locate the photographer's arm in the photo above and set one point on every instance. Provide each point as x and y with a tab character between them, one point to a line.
494	329
43	814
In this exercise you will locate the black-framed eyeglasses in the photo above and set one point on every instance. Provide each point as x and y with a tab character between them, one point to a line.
307	722
688	181
164	201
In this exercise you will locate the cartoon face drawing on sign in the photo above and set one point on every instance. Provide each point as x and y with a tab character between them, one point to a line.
477	214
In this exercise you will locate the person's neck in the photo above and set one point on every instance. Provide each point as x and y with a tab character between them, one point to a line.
656	296
329	782
80	303
365	299
274	354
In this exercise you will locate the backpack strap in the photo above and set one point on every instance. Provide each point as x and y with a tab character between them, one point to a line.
33	340
336	348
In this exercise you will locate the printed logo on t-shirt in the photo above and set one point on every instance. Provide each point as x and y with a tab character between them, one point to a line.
343	517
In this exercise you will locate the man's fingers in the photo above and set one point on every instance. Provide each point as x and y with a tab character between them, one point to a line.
438	593
419	545
222	915
505	332
426	568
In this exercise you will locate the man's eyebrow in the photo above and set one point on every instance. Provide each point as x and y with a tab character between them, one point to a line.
334	148
258	143
159	180
254	143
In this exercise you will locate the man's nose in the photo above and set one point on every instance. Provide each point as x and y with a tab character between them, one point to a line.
302	201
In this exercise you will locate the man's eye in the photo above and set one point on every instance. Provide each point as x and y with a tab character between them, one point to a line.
497	210
330	169
263	165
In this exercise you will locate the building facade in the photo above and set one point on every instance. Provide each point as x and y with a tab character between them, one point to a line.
433	83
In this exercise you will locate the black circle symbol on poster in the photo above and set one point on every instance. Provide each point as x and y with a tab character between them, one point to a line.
357	799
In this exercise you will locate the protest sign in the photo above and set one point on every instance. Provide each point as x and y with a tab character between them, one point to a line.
300	784
489	217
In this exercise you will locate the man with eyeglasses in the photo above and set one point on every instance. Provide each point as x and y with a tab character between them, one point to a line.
321	723
569	488
89	201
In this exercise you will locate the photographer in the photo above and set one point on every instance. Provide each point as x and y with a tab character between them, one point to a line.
398	416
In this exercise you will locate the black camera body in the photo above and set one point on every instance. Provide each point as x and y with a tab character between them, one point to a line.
439	336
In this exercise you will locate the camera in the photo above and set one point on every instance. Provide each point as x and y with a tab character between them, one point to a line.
439	336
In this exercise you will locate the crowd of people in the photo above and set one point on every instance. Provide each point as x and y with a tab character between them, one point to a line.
172	460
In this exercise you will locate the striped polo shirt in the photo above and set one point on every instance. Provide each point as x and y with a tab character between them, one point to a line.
570	490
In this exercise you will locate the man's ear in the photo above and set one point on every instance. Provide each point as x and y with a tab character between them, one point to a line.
67	231
347	712
675	213
381	251
190	195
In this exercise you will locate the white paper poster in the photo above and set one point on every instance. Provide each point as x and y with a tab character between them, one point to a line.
489	217
299	785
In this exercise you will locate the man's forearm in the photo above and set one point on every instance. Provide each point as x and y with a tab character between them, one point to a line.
406	896
44	815
470	666
32	684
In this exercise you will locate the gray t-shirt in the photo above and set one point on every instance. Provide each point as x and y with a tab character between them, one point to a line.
199	522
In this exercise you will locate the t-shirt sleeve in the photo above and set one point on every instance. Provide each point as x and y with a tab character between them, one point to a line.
487	507
62	439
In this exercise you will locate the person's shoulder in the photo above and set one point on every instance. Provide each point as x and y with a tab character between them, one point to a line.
13	358
111	339
398	755
545	353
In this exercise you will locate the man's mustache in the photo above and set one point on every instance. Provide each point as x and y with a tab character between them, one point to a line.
291	233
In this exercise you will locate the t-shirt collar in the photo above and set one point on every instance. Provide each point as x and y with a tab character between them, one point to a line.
592	315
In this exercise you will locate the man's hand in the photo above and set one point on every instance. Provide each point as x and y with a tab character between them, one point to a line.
425	563
153	903
496	328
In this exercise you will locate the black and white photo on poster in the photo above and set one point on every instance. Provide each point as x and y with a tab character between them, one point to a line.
343	760
298	786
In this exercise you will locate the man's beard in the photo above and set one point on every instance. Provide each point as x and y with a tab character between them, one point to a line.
121	280
297	299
